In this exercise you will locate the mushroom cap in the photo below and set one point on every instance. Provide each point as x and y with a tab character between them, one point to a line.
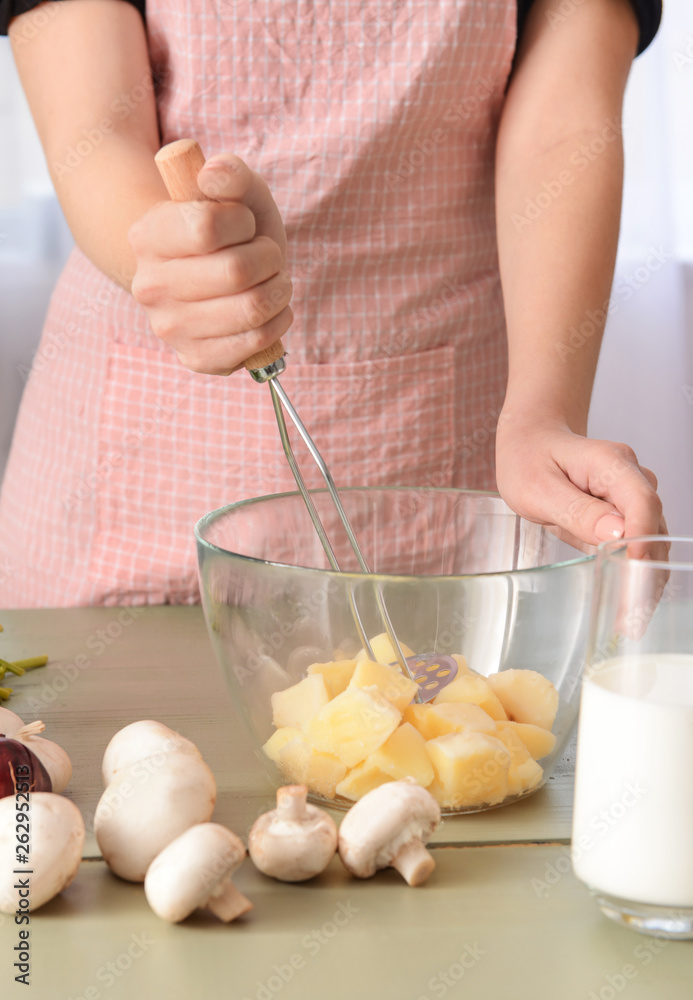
148	805
145	738
57	839
293	849
382	822
186	873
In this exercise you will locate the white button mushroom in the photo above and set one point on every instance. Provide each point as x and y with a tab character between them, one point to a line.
141	739
389	827
148	805
295	841
55	850
195	871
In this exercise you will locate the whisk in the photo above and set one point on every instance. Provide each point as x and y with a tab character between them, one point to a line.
179	164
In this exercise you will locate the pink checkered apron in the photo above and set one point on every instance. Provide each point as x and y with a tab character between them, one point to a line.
374	123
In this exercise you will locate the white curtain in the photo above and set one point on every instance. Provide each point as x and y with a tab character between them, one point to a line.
644	389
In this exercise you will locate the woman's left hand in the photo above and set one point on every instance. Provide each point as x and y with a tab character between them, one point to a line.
591	491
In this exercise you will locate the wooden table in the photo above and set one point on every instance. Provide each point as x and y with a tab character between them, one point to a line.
502	915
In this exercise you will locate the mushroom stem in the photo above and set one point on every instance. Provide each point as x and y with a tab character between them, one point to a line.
413	862
291	803
227	902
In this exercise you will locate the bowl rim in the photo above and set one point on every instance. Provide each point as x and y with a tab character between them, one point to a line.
212	515
614	549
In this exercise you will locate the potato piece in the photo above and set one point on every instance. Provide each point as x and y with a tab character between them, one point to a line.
539	742
448	717
278	740
336	674
475	690
353	724
471	769
518	751
302	764
462	665
415	714
383	650
295	705
404	755
360	780
522	777
524	772
456	716
526	696
392	684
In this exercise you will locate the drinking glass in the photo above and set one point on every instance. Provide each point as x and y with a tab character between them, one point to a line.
633	817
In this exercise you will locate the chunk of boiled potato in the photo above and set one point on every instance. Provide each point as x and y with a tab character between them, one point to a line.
448	717
383	650
278	740
524	772
353	724
475	690
295	705
391	683
415	714
522	777
462	665
471	769
361	779
526	696
404	755
302	764
539	742
336	674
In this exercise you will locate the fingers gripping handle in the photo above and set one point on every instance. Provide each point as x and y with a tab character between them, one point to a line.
179	164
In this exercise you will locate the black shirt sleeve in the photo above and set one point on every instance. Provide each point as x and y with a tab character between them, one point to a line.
648	13
11	8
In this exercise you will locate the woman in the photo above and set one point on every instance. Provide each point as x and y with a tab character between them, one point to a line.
377	155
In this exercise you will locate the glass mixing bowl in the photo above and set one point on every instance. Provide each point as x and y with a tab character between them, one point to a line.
459	573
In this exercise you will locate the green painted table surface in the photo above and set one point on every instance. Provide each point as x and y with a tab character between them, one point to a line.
502	915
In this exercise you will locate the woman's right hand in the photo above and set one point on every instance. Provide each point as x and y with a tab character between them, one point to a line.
212	274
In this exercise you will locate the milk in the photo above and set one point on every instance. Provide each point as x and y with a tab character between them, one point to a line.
633	817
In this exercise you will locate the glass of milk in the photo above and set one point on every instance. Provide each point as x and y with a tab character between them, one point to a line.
633	817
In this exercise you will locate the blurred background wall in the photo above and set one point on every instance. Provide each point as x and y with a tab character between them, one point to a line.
644	388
